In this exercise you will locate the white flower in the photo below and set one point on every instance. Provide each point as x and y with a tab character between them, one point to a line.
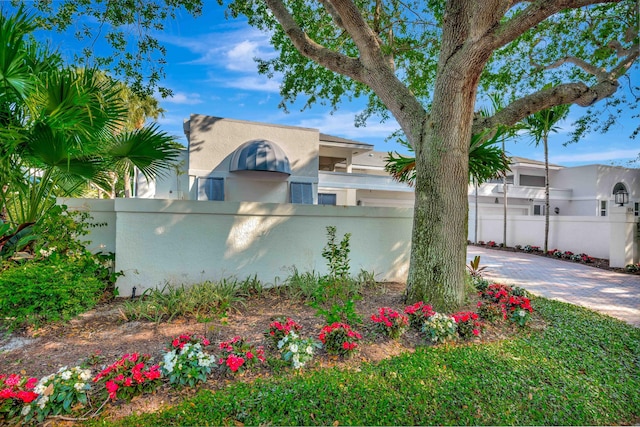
521	313
79	386
26	410
293	348
85	375
66	375
309	350
42	402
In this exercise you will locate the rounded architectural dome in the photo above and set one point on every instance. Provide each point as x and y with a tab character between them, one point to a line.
260	155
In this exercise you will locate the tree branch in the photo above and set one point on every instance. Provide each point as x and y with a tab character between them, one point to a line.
535	13
568	93
366	40
334	61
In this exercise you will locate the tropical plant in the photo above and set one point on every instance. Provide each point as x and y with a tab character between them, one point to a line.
540	125
61	128
486	159
474	268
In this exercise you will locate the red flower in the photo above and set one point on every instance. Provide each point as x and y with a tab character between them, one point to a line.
249	355
7	393
31	383
27	396
112	388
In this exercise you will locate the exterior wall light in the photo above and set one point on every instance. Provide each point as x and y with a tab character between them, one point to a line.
621	197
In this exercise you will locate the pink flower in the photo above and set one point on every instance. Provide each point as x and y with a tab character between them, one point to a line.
476	332
13	380
249	355
128	382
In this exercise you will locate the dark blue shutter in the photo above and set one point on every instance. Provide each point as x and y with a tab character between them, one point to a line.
302	193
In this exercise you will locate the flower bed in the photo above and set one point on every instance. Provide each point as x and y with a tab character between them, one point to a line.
188	361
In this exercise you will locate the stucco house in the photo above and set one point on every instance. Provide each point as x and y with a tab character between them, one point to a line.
235	160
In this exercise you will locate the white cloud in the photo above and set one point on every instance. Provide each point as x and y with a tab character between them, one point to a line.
232	50
254	83
341	123
597	157
184	98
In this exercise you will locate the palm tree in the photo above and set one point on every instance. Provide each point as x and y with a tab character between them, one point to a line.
486	161
540	125
62	128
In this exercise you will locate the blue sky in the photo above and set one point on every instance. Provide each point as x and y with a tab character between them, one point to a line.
211	71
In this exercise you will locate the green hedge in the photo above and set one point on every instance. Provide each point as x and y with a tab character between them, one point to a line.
34	293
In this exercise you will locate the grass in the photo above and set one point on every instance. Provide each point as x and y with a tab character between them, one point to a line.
201	301
583	369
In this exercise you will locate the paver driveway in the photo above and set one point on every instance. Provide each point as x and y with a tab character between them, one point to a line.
614	294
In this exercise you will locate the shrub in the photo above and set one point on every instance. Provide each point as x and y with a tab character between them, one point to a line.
185	362
519	309
15	392
280	328
35	293
586	258
129	377
440	328
491	312
468	324
59	393
512	302
491	244
567	254
479	283
518	247
296	350
529	248
557	254
239	355
390	322
418	313
339	339
632	268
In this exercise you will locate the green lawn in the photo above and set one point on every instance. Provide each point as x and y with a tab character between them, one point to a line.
583	369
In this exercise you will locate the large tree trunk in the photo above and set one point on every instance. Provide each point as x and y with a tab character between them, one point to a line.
438	252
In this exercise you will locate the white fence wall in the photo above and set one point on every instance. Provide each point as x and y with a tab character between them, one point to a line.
578	234
177	241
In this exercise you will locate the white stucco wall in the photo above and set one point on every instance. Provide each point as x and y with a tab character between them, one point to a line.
578	234
173	184
160	241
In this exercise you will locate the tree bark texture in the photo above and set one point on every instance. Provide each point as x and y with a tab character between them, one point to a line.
439	239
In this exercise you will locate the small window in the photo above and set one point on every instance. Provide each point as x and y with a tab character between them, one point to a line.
326	199
302	193
636	209
538	209
603	208
210	188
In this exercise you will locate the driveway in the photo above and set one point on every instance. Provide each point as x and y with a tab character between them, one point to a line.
614	294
